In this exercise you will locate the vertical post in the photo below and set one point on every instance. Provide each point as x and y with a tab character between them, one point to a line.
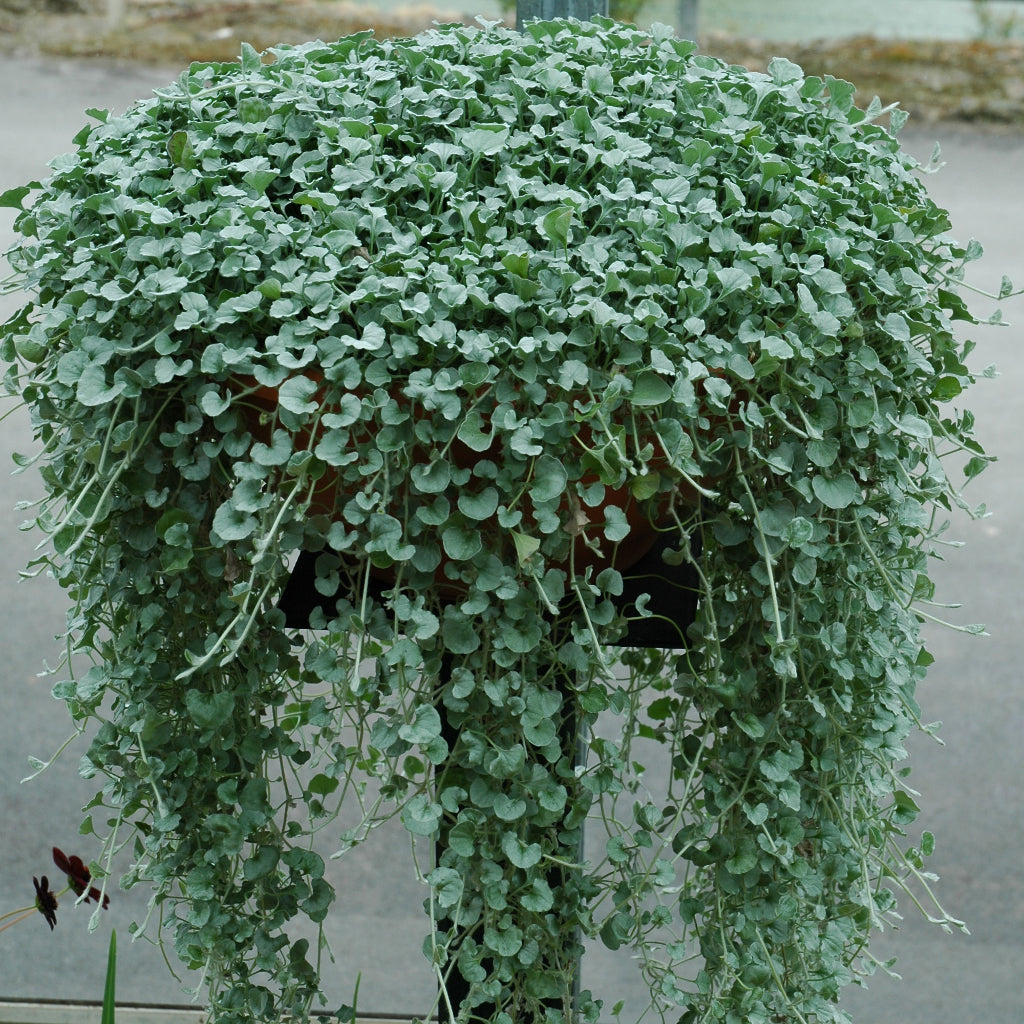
571	734
686	19
583	10
115	13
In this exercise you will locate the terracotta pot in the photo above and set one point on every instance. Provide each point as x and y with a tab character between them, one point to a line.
641	518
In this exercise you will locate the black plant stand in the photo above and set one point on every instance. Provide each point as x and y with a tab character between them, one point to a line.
672	591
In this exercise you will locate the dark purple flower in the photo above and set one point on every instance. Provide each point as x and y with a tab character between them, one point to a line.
46	902
78	876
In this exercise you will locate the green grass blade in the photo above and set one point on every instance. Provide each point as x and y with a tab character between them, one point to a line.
107	1016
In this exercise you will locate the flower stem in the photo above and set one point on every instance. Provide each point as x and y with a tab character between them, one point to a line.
23	911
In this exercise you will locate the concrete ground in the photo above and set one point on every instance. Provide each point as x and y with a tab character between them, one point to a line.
972	793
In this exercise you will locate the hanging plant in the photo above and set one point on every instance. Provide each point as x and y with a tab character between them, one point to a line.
456	319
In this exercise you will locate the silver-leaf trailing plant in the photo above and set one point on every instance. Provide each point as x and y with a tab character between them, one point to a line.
463	315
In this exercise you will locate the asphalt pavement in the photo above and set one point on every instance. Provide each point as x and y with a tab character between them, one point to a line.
972	788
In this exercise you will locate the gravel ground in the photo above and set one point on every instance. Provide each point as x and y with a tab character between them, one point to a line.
974	82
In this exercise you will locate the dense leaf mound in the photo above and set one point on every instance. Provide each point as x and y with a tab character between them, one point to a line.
465	313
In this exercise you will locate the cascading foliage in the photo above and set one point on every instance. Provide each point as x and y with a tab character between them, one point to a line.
450	310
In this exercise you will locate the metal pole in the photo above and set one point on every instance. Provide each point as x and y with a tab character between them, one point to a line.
686	19
546	10
582	10
115	13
